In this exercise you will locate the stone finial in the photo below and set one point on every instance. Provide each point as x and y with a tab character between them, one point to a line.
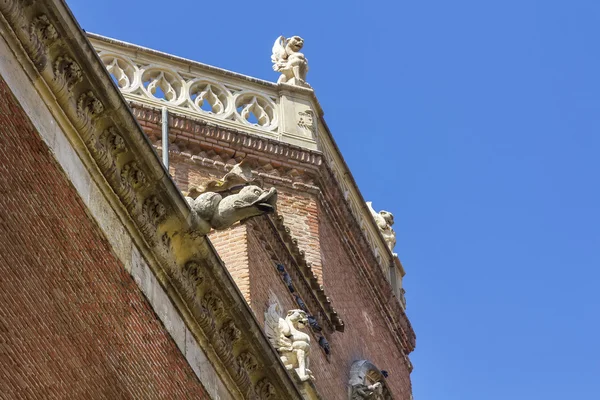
285	336
288	60
384	221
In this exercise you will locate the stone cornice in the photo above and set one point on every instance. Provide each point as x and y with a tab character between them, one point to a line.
215	147
181	127
75	85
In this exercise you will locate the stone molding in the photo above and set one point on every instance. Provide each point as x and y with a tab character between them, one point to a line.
73	82
215	147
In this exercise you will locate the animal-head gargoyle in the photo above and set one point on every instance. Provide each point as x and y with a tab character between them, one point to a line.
214	211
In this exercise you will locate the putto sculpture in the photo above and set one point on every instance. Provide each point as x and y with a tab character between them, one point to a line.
384	220
285	336
223	206
288	60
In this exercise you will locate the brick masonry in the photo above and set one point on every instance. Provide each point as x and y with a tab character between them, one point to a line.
366	335
73	323
232	247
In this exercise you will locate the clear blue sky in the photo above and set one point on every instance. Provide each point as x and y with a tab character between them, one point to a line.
477	123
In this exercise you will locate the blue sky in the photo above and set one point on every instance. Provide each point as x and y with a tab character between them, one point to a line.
477	124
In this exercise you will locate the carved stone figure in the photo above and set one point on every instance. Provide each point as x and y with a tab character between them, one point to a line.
286	337
288	60
367	382
214	211
384	221
240	174
371	392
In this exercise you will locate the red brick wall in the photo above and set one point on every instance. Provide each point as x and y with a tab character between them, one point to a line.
299	211
232	247
73	323
366	335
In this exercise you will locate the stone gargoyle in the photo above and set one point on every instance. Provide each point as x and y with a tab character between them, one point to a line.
285	336
213	210
288	60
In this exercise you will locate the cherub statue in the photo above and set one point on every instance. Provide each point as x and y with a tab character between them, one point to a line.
288	60
384	221
292	344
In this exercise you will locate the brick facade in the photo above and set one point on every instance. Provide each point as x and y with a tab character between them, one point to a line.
73	323
336	251
232	247
366	335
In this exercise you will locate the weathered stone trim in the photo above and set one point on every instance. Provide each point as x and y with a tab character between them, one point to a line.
102	137
184	130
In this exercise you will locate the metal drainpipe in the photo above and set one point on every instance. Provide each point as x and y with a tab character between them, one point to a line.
165	138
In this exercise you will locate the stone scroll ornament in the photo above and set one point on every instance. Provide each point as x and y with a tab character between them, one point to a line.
285	336
221	203
288	60
384	221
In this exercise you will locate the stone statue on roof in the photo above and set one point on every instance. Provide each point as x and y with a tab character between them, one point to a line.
384	220
288	60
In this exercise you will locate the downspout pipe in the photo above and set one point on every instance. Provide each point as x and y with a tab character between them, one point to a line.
165	138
